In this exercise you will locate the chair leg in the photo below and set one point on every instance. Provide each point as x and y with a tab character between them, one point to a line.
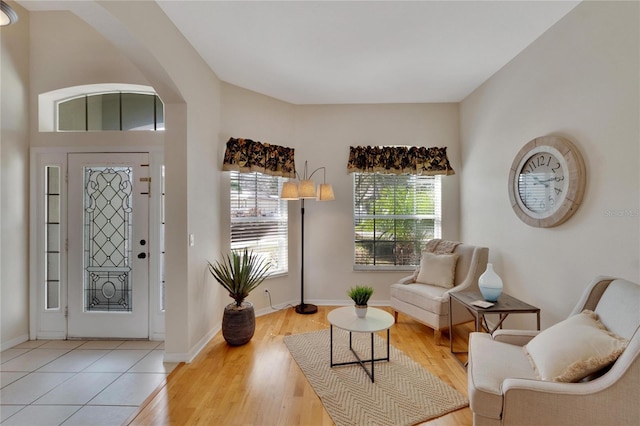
395	316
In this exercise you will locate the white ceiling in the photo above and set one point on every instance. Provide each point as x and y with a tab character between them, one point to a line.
336	52
321	52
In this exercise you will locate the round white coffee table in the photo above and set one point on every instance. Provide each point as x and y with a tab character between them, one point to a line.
375	320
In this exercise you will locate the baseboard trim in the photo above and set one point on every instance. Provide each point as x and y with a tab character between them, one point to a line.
278	307
157	336
51	335
187	357
13	342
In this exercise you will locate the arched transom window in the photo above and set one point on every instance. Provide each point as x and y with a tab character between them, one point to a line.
111	111
101	107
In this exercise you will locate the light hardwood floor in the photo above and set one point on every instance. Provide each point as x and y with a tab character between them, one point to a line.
260	383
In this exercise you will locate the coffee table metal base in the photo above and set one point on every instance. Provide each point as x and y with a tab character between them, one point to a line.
360	361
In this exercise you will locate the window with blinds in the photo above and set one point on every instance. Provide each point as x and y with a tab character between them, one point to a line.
259	217
394	216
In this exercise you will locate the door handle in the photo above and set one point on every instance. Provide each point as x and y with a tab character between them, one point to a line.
142	255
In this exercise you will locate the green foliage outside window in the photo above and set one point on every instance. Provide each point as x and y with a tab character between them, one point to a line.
394	217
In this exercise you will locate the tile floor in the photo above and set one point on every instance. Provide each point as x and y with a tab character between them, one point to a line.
74	382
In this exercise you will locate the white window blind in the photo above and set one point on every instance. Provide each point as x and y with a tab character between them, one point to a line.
259	217
394	216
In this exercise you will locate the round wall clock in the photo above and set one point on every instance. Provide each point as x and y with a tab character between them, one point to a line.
547	181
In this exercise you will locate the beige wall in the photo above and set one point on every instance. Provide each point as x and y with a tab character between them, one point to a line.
77	55
246	114
580	80
101	43
14	182
322	136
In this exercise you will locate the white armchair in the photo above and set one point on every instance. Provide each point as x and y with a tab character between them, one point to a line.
504	388
429	304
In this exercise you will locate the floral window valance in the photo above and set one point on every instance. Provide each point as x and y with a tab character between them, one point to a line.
245	156
415	160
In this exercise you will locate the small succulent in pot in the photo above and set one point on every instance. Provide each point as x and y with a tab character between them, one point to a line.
360	294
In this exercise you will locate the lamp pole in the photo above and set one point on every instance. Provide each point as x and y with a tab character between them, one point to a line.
306	189
303	308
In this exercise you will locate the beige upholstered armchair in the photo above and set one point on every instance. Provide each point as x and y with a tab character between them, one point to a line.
428	303
505	389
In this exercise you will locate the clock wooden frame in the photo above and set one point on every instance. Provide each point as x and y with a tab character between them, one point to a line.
573	169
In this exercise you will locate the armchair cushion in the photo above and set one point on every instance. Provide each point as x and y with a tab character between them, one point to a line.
437	269
573	348
425	297
514	337
499	361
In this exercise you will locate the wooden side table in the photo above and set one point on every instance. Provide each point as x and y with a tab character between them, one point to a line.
505	306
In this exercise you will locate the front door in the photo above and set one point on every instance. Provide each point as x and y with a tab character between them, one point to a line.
108	250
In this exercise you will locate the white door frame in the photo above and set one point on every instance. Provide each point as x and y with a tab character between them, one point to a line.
52	323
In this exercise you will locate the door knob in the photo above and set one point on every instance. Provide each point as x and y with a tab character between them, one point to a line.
142	255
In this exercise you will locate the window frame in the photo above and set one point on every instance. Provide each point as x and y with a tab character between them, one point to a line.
158	111
436	216
281	234
52	253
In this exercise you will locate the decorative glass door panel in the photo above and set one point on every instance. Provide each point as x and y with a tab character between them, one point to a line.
107	238
108	259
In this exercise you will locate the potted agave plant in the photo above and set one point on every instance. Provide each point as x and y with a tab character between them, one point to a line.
360	296
239	273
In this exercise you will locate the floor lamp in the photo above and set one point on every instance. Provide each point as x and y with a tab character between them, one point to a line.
306	189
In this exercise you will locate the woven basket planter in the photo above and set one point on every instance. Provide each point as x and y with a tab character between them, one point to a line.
238	323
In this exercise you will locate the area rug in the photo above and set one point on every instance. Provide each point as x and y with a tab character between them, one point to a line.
404	393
